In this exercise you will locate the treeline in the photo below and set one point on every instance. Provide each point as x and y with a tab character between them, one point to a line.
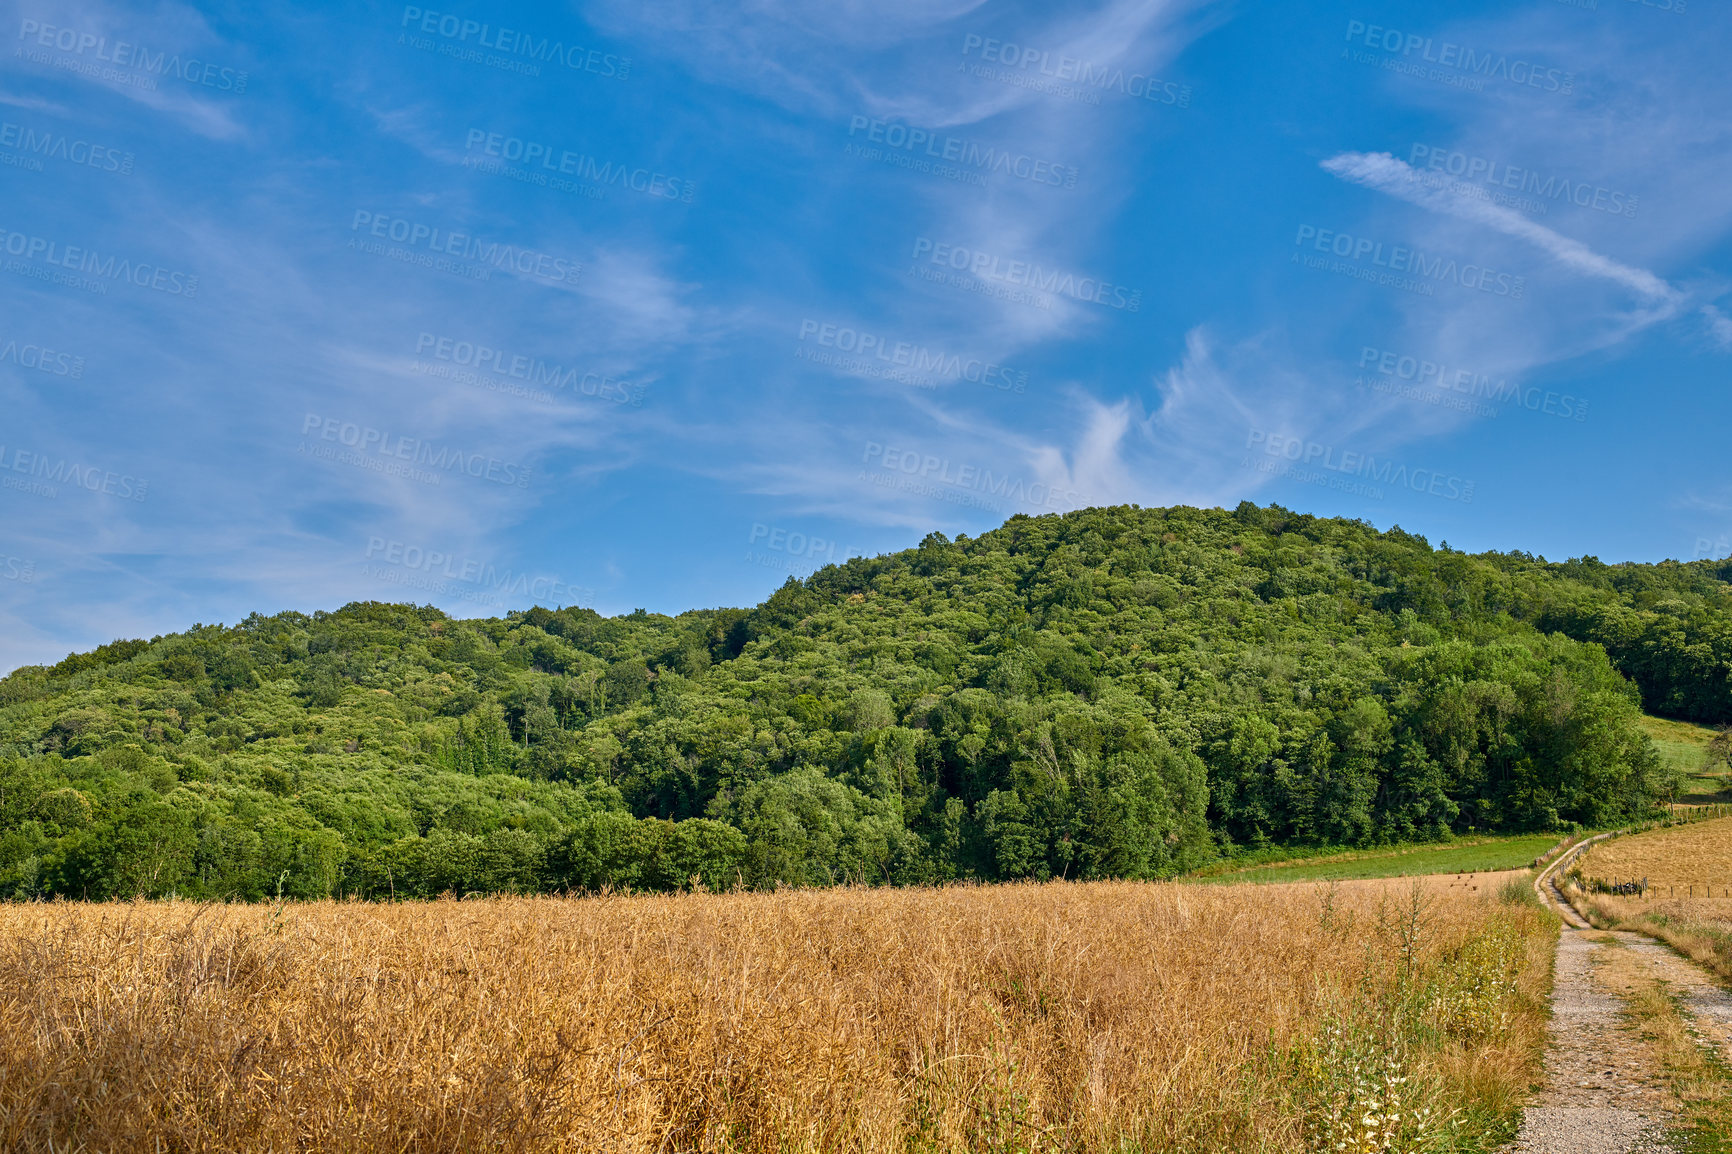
1116	692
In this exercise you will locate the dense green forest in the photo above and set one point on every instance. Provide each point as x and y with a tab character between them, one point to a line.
1118	692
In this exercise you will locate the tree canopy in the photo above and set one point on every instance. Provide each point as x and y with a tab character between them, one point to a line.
1115	692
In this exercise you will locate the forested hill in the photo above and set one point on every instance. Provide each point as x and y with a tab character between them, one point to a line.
1112	692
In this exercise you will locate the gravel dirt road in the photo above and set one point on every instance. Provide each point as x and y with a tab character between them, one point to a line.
1604	1092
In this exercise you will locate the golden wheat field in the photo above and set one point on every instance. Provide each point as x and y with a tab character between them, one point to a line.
1088	1017
1698	854
1688	904
1709	914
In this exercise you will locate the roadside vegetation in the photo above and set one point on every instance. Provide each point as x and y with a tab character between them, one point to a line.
1685	1054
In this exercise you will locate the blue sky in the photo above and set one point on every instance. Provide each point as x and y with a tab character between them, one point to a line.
652	304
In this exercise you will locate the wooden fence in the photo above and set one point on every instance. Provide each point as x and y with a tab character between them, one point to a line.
1639	888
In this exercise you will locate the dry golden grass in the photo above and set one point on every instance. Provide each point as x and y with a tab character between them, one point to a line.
1672	859
1682	864
1099	1017
1699	928
1712	913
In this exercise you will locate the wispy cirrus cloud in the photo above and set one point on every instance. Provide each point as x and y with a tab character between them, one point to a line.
1388	174
893	59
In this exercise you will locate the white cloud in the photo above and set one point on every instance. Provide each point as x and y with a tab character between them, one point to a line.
175	29
1385	173
1719	326
869	56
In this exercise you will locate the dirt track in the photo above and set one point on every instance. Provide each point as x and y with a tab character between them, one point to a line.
1603	1092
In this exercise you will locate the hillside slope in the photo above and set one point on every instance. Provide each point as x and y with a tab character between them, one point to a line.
1108	693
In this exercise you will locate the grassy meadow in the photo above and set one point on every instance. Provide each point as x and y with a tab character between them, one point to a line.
1468	855
1683	746
1107	1016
